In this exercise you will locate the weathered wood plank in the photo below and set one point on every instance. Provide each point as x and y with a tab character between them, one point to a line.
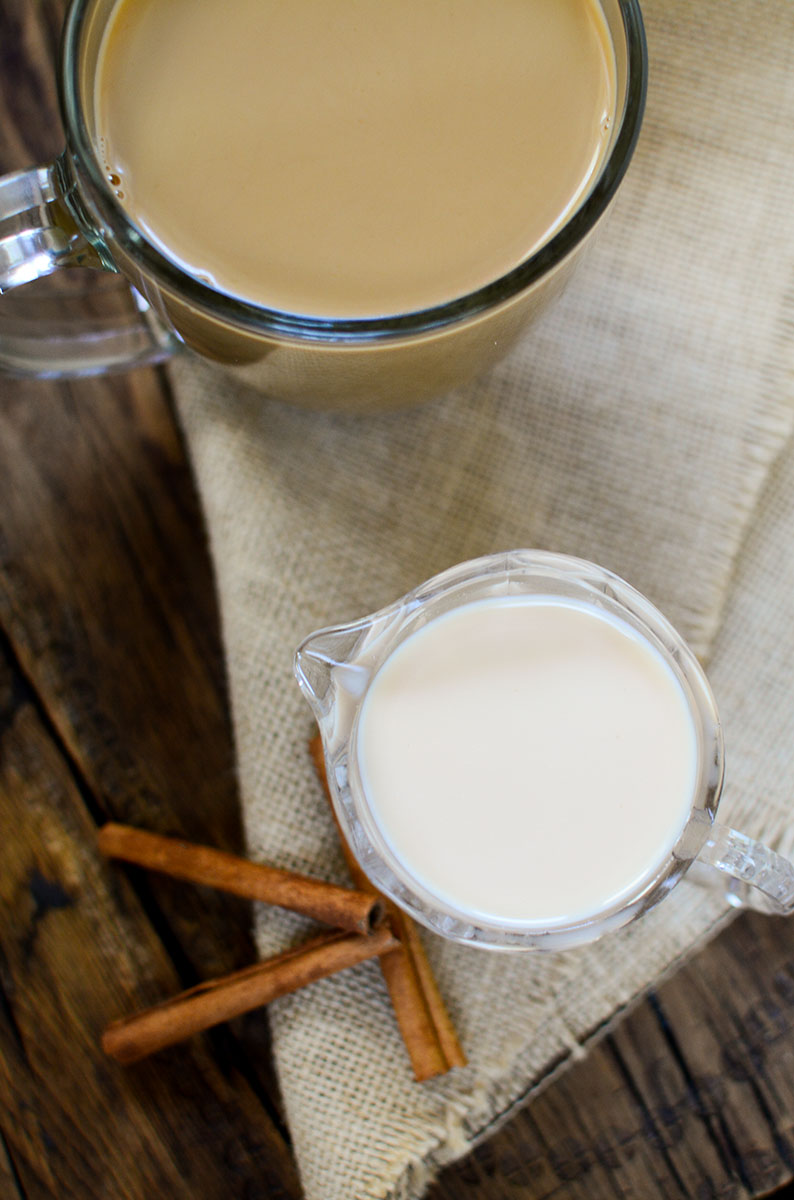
586	1137
109	603
692	1096
106	592
106	589
107	598
30	126
77	950
9	1188
728	1021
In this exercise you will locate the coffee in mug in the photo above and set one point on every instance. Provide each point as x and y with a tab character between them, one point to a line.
353	158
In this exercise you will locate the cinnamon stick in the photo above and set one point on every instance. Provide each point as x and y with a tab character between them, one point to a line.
424	1023
208	1004
343	908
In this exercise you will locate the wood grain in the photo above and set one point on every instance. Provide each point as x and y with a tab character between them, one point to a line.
77	947
692	1096
108	601
9	1184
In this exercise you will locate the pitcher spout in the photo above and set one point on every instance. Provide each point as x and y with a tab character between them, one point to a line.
325	665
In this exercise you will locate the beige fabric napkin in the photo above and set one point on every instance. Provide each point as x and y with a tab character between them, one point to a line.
642	423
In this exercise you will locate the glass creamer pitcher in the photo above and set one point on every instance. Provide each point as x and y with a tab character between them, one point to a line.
613	736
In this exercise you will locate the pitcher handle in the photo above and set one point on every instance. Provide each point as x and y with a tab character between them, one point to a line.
39	235
761	878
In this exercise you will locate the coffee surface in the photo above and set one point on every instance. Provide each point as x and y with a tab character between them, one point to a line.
353	157
528	759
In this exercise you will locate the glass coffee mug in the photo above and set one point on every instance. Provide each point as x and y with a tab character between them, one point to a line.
524	755
67	215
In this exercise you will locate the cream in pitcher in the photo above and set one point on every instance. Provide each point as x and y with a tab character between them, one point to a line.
352	158
527	758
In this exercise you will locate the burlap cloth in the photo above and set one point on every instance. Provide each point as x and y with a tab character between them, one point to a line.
643	423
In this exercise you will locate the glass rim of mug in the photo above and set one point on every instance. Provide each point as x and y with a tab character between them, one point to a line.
457	586
83	157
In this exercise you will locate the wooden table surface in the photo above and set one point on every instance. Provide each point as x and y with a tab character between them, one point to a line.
112	705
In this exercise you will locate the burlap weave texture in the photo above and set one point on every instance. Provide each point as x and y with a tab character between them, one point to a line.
643	423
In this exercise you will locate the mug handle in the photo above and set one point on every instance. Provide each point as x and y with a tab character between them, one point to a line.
39	235
760	878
